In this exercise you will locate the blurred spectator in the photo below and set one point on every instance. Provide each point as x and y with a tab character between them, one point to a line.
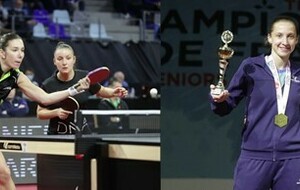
37	11
32	5
14	106
113	123
80	17
75	5
135	8
20	19
31	75
3	19
120	76
41	15
29	72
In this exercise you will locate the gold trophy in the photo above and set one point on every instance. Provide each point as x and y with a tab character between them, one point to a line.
224	53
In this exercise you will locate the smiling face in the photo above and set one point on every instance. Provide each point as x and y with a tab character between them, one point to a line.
13	54
283	38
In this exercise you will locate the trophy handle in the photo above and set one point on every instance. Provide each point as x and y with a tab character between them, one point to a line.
222	69
220	85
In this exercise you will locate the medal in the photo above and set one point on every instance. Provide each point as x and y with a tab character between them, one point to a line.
281	120
282	95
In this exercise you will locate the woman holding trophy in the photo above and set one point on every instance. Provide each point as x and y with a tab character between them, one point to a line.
270	83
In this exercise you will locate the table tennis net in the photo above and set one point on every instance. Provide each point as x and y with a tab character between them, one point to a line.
123	121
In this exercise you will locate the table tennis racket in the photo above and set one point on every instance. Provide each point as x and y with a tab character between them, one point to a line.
98	75
70	104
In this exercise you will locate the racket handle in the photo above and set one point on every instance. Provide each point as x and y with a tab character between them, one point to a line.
76	85
73	91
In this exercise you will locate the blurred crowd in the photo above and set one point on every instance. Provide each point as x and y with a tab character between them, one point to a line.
19	15
135	8
22	15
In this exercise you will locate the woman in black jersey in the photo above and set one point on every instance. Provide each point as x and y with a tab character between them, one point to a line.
60	120
11	56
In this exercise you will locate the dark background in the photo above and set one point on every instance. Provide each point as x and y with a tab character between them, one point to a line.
140	61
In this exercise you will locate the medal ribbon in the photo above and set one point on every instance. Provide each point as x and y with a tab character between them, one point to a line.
281	97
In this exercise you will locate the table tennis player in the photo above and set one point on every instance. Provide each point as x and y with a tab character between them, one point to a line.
61	119
12	52
269	158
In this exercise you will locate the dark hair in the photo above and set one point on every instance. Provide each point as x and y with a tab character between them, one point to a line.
112	80
284	18
6	38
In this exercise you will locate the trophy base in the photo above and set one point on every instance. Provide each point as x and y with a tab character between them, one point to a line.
217	91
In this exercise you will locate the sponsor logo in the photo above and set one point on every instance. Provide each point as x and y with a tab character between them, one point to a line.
7	88
11	146
295	79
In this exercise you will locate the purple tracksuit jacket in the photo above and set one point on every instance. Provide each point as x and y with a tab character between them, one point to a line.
261	138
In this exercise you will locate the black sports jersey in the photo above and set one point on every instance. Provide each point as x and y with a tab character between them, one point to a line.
53	84
8	81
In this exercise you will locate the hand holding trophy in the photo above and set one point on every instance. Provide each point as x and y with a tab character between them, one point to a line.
224	53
